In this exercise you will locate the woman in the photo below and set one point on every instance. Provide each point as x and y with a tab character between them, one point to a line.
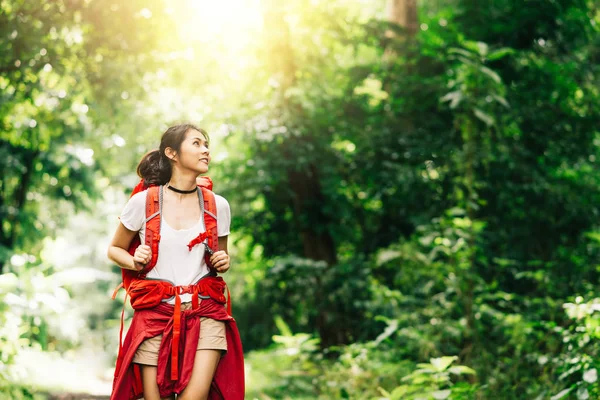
176	294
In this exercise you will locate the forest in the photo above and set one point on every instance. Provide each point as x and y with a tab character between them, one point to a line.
414	188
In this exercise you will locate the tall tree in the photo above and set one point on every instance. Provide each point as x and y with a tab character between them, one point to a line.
302	174
302	177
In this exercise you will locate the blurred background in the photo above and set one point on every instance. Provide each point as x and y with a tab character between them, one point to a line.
414	187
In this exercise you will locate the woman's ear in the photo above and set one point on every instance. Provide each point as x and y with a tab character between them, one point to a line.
171	154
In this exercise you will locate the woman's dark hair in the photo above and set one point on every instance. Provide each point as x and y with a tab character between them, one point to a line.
155	166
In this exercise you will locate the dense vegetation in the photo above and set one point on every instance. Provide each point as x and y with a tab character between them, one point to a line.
415	191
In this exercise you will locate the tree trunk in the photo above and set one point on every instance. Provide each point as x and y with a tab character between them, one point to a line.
308	197
404	13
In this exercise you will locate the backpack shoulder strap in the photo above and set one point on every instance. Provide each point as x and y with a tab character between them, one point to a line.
129	275
210	221
204	181
153	223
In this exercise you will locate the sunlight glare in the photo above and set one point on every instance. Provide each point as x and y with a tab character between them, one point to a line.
225	20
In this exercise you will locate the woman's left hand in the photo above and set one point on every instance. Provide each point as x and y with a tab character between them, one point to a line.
220	261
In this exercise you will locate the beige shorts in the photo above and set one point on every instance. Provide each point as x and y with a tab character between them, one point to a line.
212	337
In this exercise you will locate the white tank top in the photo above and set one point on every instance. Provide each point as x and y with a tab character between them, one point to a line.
176	263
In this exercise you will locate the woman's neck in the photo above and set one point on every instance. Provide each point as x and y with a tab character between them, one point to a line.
182	182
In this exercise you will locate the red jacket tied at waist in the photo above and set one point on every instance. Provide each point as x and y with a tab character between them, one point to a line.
180	331
148	293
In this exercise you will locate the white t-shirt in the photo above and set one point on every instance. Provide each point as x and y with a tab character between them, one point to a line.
176	263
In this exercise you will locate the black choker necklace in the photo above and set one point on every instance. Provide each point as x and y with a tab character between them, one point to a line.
182	191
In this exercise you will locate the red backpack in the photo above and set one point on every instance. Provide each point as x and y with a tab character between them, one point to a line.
152	233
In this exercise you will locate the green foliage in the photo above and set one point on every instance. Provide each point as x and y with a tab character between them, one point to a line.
397	198
58	83
289	368
433	381
34	314
305	292
578	363
457	167
293	368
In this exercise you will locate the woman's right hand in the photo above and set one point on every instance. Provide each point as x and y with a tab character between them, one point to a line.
141	257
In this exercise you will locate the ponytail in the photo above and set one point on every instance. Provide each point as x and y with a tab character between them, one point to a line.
154	168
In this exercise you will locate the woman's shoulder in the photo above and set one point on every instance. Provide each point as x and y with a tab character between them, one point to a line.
223	215
221	202
133	214
139	198
220	199
137	202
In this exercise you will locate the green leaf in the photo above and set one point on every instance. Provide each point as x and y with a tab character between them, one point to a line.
561	394
480	48
455	50
8	282
441	394
461	369
489	72
500	53
384	392
583	394
501	100
483	48
487	119
388	331
282	326
593	235
454	98
399	392
590	376
442	363
386	256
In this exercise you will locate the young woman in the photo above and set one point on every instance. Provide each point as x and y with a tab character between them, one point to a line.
181	340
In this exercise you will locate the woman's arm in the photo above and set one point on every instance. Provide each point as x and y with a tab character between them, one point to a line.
223	243
117	250
220	259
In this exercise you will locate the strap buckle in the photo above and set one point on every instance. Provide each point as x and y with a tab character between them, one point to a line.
208	249
184	289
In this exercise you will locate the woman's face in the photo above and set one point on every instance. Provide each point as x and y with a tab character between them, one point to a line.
194	154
